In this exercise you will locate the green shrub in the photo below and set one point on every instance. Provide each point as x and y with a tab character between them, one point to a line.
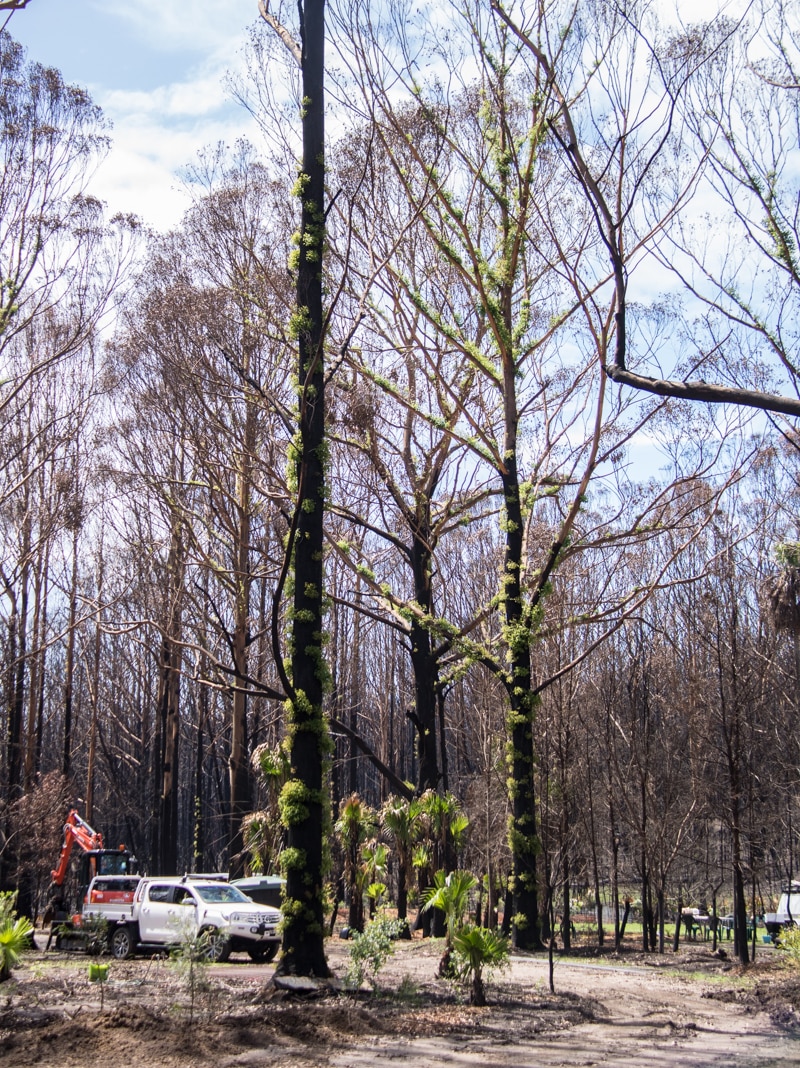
371	949
789	943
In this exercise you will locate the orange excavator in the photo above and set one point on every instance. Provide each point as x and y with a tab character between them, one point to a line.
96	859
114	864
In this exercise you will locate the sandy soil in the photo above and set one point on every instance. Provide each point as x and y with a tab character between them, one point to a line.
690	1011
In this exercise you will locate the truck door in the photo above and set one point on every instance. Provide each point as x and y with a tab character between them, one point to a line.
158	915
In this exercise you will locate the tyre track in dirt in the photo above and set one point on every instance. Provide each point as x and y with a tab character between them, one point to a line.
643	1017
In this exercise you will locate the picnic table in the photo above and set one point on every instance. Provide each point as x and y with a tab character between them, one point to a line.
696	924
726	925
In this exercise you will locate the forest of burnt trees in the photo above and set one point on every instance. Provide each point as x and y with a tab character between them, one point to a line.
568	603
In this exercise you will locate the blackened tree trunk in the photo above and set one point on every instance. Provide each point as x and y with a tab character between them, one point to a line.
645	894
592	829
198	797
169	701
566	920
402	895
676	938
740	942
239	762
661	903
524	839
424	662
166	756
69	666
95	687
623	922
36	682
304	802
16	721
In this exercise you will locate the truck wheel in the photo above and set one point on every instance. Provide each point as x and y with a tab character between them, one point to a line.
121	943
263	954
219	947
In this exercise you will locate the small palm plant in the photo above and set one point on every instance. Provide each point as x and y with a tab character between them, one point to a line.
15	935
376	893
355	827
478	948
400	821
451	894
374	865
444	827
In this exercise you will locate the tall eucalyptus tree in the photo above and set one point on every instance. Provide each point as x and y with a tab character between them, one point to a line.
304	804
530	310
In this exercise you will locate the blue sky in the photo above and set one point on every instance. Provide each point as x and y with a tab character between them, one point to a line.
156	67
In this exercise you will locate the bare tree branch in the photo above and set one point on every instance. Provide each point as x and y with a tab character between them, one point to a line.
704	391
278	27
397	783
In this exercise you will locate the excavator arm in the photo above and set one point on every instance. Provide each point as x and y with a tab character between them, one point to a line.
76	831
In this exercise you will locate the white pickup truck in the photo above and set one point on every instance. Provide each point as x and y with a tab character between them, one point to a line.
164	911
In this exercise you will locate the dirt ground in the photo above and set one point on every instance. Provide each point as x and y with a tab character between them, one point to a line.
692	1010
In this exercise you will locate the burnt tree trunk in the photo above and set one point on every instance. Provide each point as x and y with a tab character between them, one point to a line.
524	838
304	799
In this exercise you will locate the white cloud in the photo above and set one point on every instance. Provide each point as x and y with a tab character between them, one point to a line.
207	26
155	135
157	69
159	131
131	182
141	175
190	99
